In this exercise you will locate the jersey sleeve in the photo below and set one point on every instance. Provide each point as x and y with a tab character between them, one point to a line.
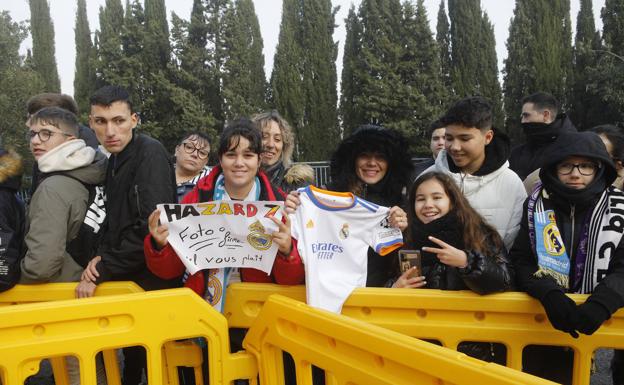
385	239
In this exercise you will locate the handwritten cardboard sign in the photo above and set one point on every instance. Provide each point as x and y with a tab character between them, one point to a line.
221	234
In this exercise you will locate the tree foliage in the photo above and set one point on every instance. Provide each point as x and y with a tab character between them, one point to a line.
243	78
42	30
391	69
539	55
303	82
84	77
18	82
473	54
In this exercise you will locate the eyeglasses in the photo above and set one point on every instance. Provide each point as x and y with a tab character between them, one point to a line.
585	168
189	148
44	135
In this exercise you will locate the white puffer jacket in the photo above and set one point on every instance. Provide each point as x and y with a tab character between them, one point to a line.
497	196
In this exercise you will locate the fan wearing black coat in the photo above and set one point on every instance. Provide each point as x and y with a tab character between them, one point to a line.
459	249
374	164
11	219
570	242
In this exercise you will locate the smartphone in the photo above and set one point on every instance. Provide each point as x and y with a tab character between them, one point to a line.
409	259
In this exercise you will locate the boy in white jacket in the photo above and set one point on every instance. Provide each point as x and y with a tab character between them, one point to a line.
475	156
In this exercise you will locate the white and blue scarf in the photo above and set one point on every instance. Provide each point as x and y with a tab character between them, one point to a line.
600	236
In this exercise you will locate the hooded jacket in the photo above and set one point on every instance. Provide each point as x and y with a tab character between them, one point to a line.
390	191
530	156
11	219
571	208
57	210
166	264
494	191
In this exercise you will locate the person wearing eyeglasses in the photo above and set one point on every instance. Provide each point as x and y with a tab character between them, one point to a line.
58	206
191	161
570	241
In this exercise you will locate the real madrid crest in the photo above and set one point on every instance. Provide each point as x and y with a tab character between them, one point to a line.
258	238
344	231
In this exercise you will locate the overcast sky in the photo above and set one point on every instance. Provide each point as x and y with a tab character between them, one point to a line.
63	14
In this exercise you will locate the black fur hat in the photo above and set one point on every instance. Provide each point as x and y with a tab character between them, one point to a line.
373	139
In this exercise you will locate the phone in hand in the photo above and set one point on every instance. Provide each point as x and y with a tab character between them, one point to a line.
409	259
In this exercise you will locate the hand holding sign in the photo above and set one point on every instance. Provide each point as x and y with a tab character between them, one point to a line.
219	234
159	232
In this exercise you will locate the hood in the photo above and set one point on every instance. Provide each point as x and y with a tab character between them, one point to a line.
94	173
542	134
585	144
496	155
66	156
371	138
10	170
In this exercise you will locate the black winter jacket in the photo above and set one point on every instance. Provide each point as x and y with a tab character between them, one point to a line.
530	156
390	191
12	220
486	272
567	204
137	179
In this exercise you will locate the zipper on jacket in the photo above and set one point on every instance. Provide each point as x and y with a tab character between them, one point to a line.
571	253
138	202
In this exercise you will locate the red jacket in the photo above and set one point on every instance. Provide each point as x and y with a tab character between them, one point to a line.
166	264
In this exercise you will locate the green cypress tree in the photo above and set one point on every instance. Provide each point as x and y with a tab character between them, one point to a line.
613	26
465	16
488	84
539	55
84	77
157	48
286	90
319	133
109	44
606	77
421	90
244	81
443	38
215	14
304	76
42	30
378	62
349	84
586	107
18	82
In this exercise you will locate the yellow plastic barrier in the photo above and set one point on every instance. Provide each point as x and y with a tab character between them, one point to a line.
355	352
84	327
513	319
22	294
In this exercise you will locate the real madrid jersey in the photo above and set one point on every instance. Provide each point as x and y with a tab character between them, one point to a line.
334	231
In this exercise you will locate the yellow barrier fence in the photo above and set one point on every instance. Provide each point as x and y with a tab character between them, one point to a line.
22	294
356	352
351	351
84	327
512	319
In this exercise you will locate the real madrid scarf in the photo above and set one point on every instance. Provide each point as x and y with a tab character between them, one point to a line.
217	280
600	235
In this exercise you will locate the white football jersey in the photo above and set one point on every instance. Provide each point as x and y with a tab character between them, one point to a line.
334	231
